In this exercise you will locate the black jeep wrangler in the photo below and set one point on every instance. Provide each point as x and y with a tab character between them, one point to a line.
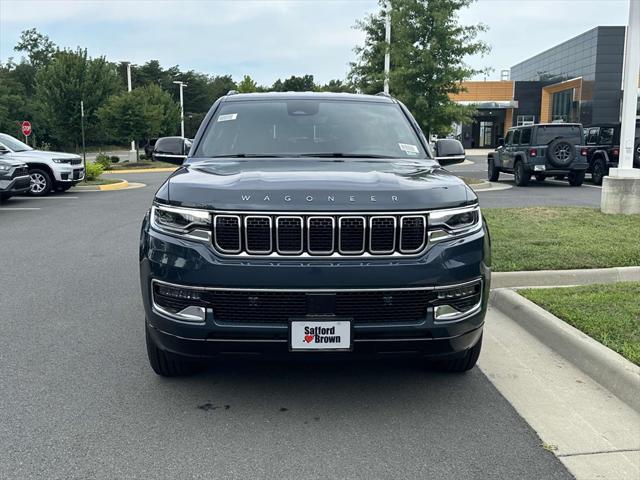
544	150
602	142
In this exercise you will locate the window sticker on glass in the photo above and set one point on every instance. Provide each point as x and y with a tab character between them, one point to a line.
408	148
227	117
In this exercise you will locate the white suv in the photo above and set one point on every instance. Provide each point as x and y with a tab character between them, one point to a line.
49	171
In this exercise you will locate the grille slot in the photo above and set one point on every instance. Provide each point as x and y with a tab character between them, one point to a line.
351	235
289	236
326	234
320	233
413	232
257	232
227	233
382	234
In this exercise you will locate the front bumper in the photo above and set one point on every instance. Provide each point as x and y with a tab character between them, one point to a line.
167	259
15	186
68	174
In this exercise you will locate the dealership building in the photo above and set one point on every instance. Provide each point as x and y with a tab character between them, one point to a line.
579	80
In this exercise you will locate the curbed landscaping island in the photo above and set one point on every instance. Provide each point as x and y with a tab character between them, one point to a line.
562	238
609	314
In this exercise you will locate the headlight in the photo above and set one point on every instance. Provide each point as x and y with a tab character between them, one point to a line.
447	224
186	222
4	168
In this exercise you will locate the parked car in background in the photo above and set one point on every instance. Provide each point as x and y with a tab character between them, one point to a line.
171	149
541	150
148	147
603	149
48	171
14	177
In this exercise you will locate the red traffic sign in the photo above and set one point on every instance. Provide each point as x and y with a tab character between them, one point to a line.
26	128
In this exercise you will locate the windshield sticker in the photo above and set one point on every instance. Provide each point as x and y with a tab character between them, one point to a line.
408	149
227	117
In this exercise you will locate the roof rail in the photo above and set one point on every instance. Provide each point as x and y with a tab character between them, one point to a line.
383	94
232	92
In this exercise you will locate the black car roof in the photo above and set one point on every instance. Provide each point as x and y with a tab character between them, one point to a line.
354	97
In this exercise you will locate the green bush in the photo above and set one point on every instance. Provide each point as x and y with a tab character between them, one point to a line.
142	157
103	160
94	170
115	159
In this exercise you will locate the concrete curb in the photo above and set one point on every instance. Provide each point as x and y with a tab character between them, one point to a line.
121	185
551	278
609	369
141	170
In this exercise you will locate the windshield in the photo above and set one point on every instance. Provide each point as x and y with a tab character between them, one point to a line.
310	128
13	144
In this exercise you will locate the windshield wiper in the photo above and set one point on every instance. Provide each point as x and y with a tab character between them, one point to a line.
342	155
247	155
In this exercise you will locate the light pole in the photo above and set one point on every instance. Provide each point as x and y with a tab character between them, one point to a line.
132	152
621	189
387	39
182	85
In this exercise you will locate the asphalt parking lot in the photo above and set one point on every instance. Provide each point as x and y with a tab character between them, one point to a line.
549	193
80	401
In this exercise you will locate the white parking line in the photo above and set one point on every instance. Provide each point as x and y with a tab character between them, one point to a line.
11	209
49	198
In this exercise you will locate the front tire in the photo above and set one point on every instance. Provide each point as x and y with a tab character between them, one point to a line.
522	177
63	188
167	364
461	364
41	182
493	173
576	178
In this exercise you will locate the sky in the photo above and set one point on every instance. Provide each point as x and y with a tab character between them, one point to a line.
276	39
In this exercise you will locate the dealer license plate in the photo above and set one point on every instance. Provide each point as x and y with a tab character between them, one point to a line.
313	335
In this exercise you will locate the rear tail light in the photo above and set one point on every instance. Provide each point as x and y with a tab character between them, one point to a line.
533	152
615	152
583	152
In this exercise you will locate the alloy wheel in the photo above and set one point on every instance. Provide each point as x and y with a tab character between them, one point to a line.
38	183
562	152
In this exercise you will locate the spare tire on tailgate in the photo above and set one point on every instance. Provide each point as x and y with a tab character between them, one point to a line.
561	153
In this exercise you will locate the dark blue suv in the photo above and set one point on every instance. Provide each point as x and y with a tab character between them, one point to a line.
306	223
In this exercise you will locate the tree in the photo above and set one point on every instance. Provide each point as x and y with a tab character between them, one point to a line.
428	49
38	47
295	84
70	78
247	85
338	86
143	113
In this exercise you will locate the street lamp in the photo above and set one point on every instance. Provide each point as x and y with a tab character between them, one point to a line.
387	40
621	188
182	85
132	152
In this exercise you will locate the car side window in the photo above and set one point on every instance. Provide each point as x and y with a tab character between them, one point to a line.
606	136
507	141
516	137
592	136
525	136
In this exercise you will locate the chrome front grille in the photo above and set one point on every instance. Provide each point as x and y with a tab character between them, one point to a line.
328	234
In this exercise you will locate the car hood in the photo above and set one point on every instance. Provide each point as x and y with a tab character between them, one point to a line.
33	155
315	184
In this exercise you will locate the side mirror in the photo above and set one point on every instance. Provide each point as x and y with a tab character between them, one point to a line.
501	142
171	150
3	149
449	151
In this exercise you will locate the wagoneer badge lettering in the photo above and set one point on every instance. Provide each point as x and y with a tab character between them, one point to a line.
329	198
